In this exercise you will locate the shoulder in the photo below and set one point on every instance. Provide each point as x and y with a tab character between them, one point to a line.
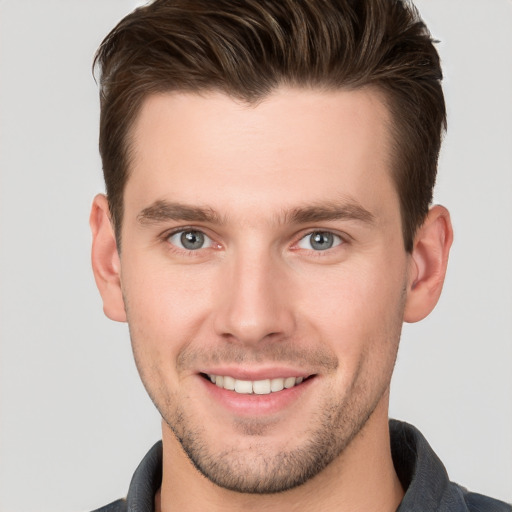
144	485
425	479
479	503
115	506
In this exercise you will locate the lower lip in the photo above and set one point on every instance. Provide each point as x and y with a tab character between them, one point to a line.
253	404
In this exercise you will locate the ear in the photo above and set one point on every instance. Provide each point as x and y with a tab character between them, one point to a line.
106	264
428	264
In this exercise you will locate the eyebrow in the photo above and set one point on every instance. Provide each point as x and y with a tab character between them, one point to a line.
330	212
161	211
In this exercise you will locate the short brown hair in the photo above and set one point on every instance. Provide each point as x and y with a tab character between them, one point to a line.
247	48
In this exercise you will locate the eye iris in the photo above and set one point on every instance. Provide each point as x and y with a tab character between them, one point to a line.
192	240
322	240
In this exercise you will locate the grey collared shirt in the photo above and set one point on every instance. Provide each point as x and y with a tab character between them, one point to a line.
420	471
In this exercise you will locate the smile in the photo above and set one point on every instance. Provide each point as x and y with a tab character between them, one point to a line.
257	387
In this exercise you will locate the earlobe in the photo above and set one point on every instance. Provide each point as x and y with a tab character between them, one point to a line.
428	264
106	264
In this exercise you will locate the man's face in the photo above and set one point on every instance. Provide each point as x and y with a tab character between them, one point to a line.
262	248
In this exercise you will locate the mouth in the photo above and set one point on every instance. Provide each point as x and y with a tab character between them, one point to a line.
255	387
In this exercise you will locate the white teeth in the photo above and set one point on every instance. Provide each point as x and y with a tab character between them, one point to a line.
258	387
261	387
276	385
289	382
229	383
242	386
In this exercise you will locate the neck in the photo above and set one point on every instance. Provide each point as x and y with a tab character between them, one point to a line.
362	478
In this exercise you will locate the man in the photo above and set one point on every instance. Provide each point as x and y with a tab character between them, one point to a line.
266	231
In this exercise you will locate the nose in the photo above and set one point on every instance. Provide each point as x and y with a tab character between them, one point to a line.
254	300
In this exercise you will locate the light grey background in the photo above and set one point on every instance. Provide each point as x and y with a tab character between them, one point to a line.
74	419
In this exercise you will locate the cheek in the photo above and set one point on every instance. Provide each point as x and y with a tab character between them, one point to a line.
356	308
360	318
166	306
353	294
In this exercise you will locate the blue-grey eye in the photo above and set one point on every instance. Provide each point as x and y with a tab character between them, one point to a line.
319	241
190	240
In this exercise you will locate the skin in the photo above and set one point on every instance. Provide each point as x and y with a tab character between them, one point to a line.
258	300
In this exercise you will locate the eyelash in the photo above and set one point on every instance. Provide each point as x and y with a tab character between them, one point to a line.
183	251
343	240
337	240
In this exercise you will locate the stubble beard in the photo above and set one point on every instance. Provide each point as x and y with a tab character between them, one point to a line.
255	470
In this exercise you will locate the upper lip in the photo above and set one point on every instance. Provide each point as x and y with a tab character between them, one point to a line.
257	374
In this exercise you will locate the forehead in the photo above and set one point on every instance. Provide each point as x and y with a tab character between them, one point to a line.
294	145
